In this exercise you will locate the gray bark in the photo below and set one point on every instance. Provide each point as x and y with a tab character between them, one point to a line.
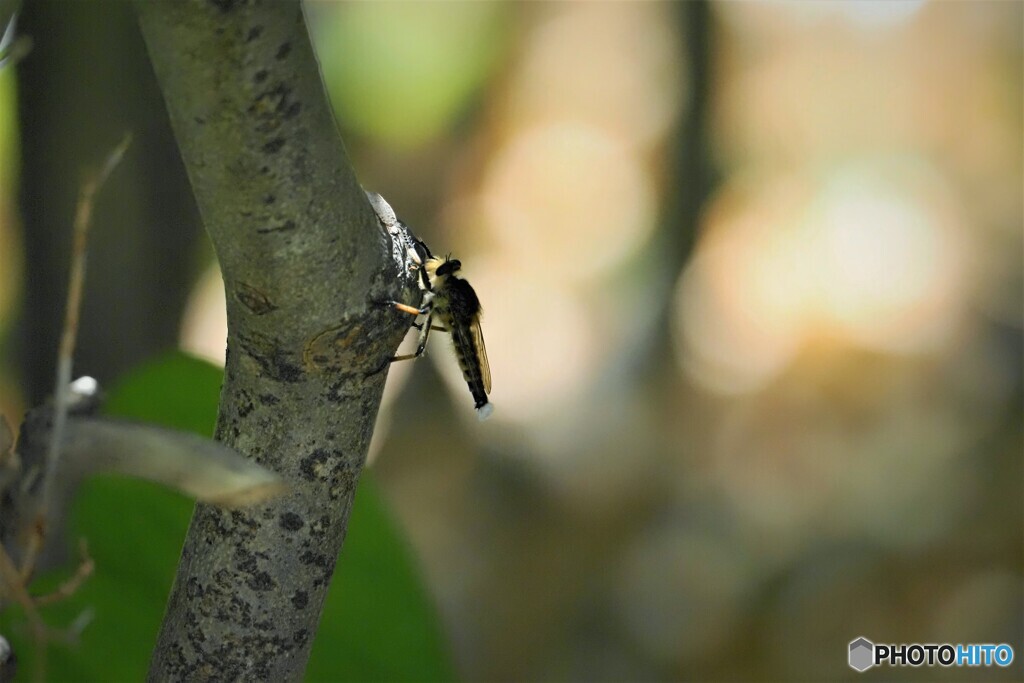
304	259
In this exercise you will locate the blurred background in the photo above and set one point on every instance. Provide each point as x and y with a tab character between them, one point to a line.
753	292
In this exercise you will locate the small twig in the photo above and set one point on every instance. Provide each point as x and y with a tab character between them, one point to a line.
76	280
14	580
12	584
68	588
33	546
14	587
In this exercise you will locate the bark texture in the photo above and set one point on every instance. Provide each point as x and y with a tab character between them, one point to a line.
304	259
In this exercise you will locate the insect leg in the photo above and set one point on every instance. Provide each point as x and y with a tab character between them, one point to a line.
436	328
424	333
408	356
423	327
405	308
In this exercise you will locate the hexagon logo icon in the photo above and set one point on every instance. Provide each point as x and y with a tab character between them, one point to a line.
862	654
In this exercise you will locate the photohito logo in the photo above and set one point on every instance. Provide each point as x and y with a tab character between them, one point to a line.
864	654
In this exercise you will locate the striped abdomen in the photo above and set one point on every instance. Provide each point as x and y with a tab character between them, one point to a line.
469	350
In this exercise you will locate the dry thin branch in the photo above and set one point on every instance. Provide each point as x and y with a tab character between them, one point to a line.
14	587
86	566
76	282
14	580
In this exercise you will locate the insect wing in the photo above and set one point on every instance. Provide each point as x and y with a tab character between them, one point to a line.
481	354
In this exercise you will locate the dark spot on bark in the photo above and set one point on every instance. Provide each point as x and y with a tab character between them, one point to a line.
291	521
176	663
254	33
222	578
193	589
196	637
260	581
245	409
273	106
245	561
312	466
200	120
286	371
274	361
240	611
260	76
320	560
366	411
242	519
221	530
269	199
341	391
274	146
254	299
283	51
283	227
318	529
300	637
269	399
264	170
300	599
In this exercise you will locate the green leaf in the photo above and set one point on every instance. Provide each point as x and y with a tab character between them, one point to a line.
174	390
378	623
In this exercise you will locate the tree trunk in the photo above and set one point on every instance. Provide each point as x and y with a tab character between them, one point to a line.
304	261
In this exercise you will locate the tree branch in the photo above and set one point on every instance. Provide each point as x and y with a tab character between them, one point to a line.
303	258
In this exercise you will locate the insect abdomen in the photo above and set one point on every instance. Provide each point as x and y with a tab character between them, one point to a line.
468	356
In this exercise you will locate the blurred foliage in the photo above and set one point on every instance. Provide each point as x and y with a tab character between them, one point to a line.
391	78
8	125
378	623
10	256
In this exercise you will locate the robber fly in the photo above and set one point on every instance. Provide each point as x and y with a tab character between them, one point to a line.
450	301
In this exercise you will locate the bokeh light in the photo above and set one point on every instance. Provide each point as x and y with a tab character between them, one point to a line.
567	199
204	325
391	77
614	66
872	255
